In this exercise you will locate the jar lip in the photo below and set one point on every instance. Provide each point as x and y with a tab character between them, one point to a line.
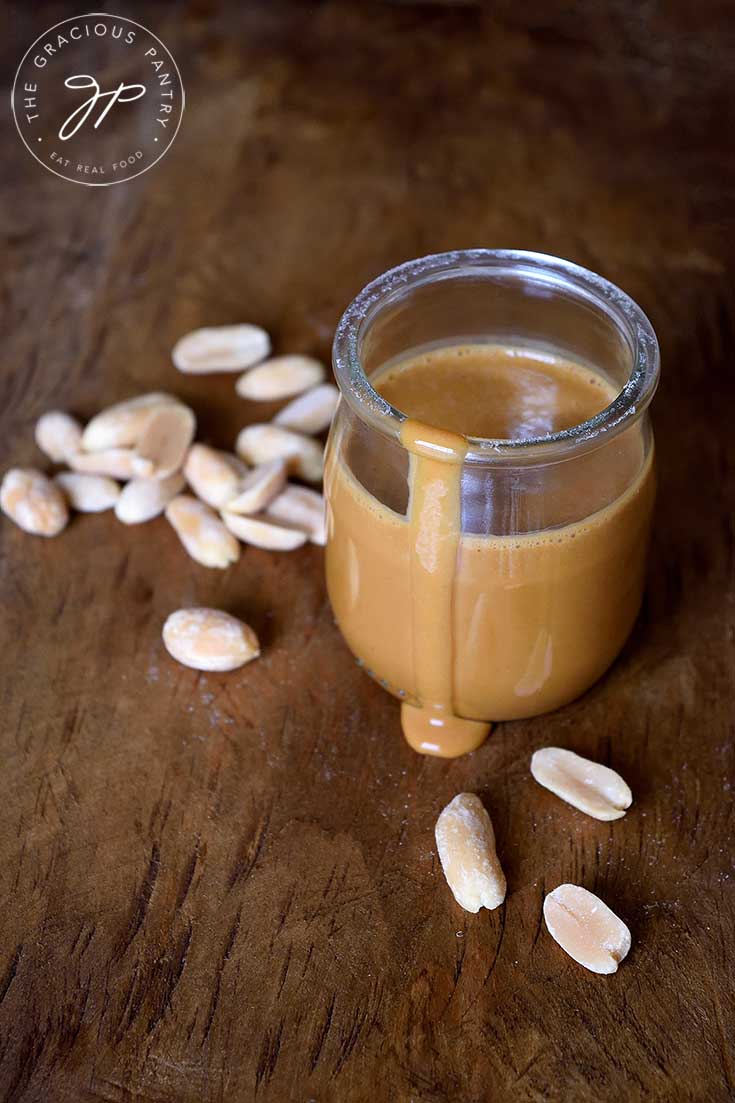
629	404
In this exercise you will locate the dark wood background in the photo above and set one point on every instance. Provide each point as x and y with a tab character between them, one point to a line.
225	888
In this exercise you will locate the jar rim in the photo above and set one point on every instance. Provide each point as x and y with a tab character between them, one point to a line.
627	407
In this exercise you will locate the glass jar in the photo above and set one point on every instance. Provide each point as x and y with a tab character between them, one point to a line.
549	553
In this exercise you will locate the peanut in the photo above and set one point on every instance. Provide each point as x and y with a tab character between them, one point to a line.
305	508
88	493
588	786
259	488
122	425
165	441
207	639
202	533
143	499
311	412
586	928
214	476
33	501
264	531
258	444
221	349
117	463
466	843
280	377
58	435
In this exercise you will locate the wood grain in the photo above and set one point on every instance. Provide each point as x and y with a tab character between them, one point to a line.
224	887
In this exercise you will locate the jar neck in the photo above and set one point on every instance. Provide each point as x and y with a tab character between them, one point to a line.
517	297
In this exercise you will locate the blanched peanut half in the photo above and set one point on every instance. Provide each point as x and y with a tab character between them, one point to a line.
58	435
143	499
88	493
466	843
202	533
214	476
33	501
588	786
259	488
311	412
207	639
300	506
122	425
118	463
165	441
258	444
221	348
280	377
264	531
586	928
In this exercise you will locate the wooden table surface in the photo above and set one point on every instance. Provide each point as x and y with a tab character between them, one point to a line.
225	887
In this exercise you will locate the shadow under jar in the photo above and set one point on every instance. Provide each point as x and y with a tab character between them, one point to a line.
489	486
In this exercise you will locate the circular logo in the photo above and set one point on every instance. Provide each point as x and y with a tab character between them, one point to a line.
98	99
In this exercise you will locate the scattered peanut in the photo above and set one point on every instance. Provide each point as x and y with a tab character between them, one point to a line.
258	444
280	377
165	441
214	476
122	425
305	508
208	639
259	488
117	463
88	493
588	786
202	533
143	499
220	349
466	843
311	412
33	501
586	928
264	531
58	435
